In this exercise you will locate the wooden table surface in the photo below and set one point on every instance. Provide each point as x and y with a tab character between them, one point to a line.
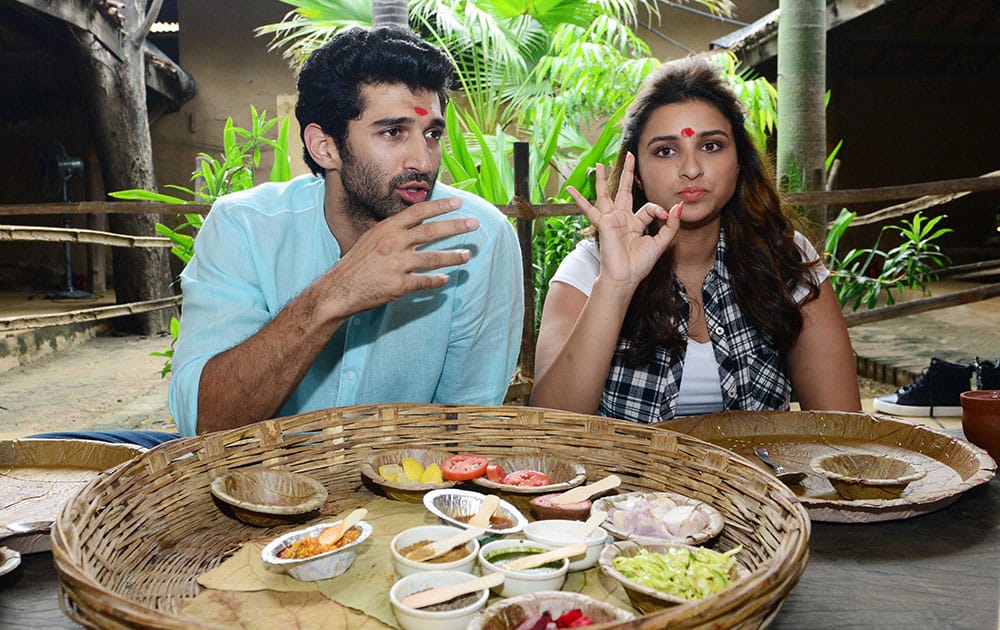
938	570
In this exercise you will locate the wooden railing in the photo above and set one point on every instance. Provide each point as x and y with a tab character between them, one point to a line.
524	213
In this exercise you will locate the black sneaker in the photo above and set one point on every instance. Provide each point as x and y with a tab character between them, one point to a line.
935	393
987	374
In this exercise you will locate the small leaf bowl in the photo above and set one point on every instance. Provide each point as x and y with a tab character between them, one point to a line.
322	566
867	476
644	598
405	491
267	497
563	473
614	503
511	612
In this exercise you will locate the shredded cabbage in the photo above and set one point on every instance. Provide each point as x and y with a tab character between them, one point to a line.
691	574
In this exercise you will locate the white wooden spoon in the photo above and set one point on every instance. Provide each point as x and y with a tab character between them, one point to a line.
443	546
332	534
596	518
486	510
582	493
538	559
450	591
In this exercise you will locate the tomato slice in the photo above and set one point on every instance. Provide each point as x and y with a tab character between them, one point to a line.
495	473
527	478
462	467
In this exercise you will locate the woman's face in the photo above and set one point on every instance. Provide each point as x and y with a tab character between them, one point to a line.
687	152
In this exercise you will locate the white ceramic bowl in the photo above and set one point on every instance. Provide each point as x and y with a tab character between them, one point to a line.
322	566
423	619
522	582
561	532
404	566
448	503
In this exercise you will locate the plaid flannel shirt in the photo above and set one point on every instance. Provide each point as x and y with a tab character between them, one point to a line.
753	374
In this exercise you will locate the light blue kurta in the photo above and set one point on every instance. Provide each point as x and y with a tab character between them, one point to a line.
259	249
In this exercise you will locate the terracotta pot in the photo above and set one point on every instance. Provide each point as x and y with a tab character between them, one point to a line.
981	419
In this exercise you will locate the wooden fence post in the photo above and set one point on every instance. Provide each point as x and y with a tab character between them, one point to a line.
522	188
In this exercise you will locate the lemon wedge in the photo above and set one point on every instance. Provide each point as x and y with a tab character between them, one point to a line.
412	469
391	472
432	474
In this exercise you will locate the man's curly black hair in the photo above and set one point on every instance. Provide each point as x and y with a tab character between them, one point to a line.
330	81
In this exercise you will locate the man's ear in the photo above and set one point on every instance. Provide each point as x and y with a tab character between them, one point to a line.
321	147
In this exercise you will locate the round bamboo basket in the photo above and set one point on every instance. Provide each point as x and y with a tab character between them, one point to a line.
130	545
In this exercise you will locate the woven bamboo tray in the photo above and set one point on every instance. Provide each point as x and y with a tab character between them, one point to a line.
794	438
38	475
129	547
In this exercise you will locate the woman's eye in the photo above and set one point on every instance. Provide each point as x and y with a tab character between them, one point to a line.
435	134
712	146
392	132
664	151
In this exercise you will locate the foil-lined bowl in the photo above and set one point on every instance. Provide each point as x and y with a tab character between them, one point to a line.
449	503
322	566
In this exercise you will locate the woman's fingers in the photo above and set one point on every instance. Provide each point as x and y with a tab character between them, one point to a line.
650	212
668	229
588	209
623	200
601	186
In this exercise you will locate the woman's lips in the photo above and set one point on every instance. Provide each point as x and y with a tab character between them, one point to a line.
691	195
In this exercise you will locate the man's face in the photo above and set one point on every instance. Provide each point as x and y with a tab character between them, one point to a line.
393	151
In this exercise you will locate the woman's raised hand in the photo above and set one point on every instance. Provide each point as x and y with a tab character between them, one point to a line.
628	253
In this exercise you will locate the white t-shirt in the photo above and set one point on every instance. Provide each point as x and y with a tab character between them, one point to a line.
700	389
580	267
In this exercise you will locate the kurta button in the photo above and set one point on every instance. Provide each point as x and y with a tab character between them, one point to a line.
719	330
356	321
350	376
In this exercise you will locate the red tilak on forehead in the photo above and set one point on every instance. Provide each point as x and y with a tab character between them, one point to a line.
687	132
421	111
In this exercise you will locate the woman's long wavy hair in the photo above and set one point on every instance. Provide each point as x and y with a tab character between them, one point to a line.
762	259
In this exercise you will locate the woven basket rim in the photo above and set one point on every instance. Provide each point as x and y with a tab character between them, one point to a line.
92	540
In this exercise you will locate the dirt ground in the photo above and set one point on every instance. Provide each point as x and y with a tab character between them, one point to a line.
113	383
102	383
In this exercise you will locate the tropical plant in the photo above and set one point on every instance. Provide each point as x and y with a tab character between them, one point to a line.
241	153
519	62
861	276
551	243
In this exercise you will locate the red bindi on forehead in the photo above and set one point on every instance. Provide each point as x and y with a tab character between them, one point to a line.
687	132
421	111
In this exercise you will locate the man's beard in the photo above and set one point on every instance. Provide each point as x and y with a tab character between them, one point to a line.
367	202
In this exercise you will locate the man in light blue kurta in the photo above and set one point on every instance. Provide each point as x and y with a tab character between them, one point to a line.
365	282
258	250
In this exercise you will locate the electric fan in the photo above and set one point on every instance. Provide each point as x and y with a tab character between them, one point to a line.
56	170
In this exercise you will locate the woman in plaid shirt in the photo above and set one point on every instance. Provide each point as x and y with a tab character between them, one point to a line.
624	331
